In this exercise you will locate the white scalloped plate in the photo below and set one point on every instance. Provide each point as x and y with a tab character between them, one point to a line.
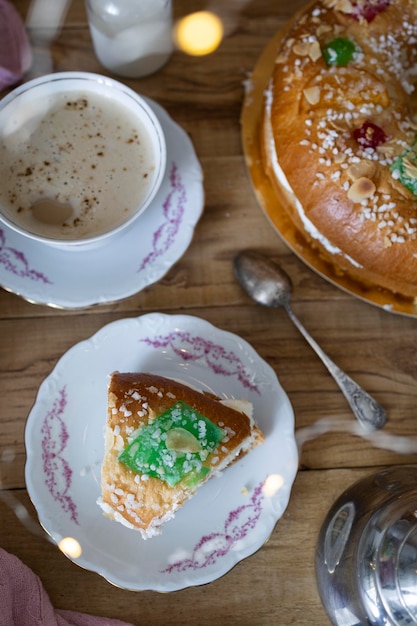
126	264
227	520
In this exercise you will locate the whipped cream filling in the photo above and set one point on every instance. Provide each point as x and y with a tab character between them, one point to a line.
281	177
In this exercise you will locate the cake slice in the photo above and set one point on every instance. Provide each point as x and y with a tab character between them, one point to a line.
164	440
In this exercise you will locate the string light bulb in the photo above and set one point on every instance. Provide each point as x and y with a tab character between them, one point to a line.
199	33
70	547
272	485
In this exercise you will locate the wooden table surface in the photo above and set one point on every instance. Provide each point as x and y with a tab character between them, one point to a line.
277	584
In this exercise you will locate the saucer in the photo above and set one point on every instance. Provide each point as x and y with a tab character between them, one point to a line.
126	264
229	518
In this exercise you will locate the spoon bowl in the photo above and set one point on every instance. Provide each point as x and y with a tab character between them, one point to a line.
266	282
269	285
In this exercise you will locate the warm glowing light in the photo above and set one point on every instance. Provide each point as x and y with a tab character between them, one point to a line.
70	547
199	33
272	484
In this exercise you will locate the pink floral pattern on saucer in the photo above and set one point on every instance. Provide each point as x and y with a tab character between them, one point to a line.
173	211
216	545
57	471
194	348
15	262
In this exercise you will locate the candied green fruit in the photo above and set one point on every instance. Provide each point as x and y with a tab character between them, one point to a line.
404	168
175	446
339	51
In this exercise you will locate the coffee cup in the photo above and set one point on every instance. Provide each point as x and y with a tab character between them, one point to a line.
82	156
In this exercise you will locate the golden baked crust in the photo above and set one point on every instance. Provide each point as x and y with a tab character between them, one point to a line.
342	194
135	400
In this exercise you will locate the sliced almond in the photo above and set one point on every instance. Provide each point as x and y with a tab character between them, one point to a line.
344	6
323	29
361	189
118	443
301	48
410	168
281	58
361	169
339	158
400	188
389	148
312	95
342	125
315	51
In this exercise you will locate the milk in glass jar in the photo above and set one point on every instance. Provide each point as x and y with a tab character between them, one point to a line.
132	38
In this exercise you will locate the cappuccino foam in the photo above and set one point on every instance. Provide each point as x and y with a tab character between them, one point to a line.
73	165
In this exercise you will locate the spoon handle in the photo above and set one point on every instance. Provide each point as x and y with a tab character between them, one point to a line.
367	410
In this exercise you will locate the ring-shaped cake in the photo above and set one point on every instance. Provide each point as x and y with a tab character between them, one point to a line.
339	140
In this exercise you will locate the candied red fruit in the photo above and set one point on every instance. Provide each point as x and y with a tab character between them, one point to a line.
369	9
369	135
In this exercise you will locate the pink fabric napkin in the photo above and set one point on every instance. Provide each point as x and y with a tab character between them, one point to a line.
24	601
15	50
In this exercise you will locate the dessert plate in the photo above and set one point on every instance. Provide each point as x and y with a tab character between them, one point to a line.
228	519
128	263
273	205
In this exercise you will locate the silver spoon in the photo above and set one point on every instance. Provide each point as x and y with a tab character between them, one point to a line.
266	283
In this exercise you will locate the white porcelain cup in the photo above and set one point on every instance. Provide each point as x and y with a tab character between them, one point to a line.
82	156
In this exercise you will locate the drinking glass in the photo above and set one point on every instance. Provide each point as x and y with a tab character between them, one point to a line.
132	38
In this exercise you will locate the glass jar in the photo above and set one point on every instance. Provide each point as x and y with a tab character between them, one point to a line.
131	38
366	558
